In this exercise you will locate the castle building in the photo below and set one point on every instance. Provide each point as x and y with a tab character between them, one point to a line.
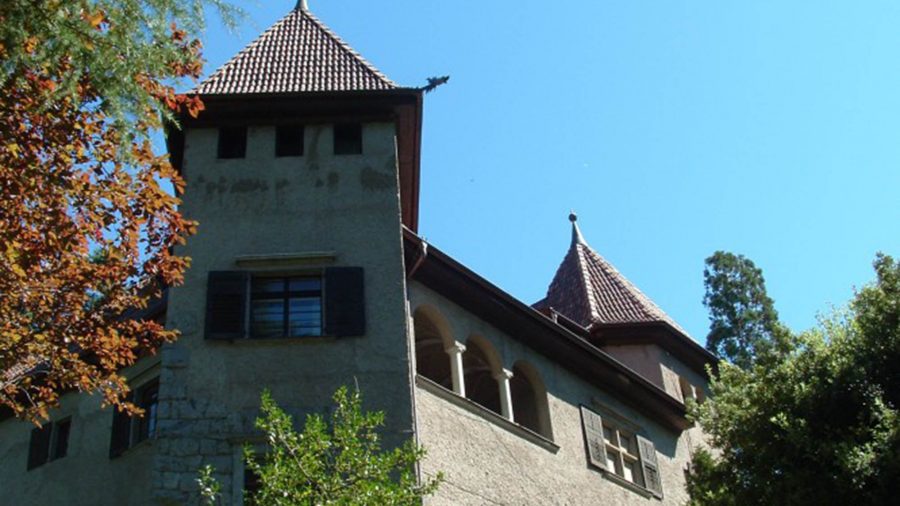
309	273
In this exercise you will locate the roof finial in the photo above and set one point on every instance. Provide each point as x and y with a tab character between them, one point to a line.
577	238
302	5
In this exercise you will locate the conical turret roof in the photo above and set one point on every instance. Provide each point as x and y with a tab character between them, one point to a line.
588	290
296	54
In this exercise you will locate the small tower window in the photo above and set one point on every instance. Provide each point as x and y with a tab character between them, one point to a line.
232	142
289	140
348	139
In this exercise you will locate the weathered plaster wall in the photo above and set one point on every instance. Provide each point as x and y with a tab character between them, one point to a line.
644	359
86	475
263	205
657	365
485	463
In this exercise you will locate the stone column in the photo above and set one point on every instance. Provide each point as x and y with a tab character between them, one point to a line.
506	409
456	351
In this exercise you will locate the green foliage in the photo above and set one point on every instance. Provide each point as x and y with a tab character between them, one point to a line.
105	44
210	488
743	320
815	423
338	462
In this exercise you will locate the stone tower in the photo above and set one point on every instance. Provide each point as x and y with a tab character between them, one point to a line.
302	172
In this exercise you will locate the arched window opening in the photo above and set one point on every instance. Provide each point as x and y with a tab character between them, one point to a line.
529	400
432	361
481	387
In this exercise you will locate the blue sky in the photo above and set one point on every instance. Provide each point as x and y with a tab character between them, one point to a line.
673	128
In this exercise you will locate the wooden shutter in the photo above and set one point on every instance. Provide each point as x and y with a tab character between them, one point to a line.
650	466
121	430
593	437
226	304
39	446
345	303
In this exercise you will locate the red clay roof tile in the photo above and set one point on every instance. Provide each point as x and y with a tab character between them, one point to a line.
296	54
587	289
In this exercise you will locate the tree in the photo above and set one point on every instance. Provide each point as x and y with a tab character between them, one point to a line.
340	462
743	320
87	224
817	424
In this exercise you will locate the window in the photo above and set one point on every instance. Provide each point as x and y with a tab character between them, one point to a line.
689	391
252	485
49	442
621	452
529	399
242	305
232	142
128	431
286	307
289	140
348	139
432	361
147	399
481	387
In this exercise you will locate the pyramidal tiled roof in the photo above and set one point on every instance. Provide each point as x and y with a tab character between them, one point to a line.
296	54
588	290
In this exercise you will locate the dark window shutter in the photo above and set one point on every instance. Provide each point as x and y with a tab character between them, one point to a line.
121	431
39	446
61	441
593	437
650	466
345	304
226	304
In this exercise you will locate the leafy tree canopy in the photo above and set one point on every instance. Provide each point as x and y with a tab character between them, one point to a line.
816	423
743	320
338	462
87	224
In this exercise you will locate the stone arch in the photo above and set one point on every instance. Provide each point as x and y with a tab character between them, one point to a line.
481	365
433	337
529	399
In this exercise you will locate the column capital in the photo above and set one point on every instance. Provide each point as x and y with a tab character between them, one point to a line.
503	374
456	347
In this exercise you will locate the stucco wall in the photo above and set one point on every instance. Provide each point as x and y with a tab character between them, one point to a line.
485	463
659	366
86	475
263	205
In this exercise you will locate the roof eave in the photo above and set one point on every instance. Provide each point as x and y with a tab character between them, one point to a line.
399	104
459	284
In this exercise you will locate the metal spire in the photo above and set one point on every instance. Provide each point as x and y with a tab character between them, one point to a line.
301	5
577	238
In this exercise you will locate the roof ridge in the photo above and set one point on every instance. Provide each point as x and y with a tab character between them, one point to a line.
347	47
593	304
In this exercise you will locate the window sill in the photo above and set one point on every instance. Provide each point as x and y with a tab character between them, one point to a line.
136	447
476	409
615	478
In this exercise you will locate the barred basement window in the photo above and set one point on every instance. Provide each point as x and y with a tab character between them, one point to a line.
620	452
